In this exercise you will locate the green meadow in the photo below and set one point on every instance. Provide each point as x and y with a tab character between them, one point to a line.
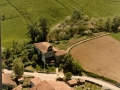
18	13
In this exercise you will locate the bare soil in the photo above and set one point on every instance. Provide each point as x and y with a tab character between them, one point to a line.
100	56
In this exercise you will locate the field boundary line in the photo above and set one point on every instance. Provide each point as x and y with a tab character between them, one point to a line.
70	47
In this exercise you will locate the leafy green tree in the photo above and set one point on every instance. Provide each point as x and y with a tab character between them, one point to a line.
76	15
77	69
116	23
35	57
7	53
68	75
10	61
67	63
18	68
32	31
44	27
38	31
108	25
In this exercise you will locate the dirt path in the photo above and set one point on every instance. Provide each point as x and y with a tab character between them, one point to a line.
85	41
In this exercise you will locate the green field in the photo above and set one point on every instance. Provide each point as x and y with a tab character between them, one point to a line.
18	13
116	35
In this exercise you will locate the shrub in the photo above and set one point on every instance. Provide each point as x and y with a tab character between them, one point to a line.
68	75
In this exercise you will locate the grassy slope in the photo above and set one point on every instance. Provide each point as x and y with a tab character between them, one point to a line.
116	35
55	10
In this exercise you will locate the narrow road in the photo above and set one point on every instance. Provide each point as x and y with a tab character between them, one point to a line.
44	76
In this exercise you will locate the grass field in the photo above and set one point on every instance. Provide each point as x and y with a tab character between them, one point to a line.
100	56
115	35
20	12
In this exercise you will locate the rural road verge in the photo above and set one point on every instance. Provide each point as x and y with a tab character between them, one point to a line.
104	84
85	41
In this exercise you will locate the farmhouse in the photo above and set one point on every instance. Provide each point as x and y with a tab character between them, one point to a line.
48	54
51	85
19	87
7	80
35	81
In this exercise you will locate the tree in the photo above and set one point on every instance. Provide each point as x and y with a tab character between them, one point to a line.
35	57
32	31
7	53
116	23
18	68
44	27
68	75
38	31
108	25
76	16
67	63
70	65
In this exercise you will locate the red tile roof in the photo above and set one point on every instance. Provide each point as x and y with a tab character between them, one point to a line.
6	79
43	46
60	52
51	85
43	86
57	85
36	80
72	82
19	87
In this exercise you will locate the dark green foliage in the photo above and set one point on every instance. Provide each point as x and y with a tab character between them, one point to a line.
76	16
33	63
44	27
51	69
38	68
69	65
7	53
116	23
9	62
18	67
35	57
38	31
68	75
108	25
25	59
77	69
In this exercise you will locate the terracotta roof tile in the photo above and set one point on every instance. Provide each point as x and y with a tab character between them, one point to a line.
72	82
57	85
60	52
19	87
6	79
43	86
43	46
36	80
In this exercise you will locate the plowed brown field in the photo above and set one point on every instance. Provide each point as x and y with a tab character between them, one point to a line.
100	56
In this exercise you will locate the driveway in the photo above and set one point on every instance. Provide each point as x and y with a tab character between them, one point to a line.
44	76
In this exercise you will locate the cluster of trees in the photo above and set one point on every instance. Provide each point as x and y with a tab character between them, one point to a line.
80	25
20	54
68	64
37	31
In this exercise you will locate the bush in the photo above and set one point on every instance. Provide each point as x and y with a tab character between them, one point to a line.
51	69
38	68
68	75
